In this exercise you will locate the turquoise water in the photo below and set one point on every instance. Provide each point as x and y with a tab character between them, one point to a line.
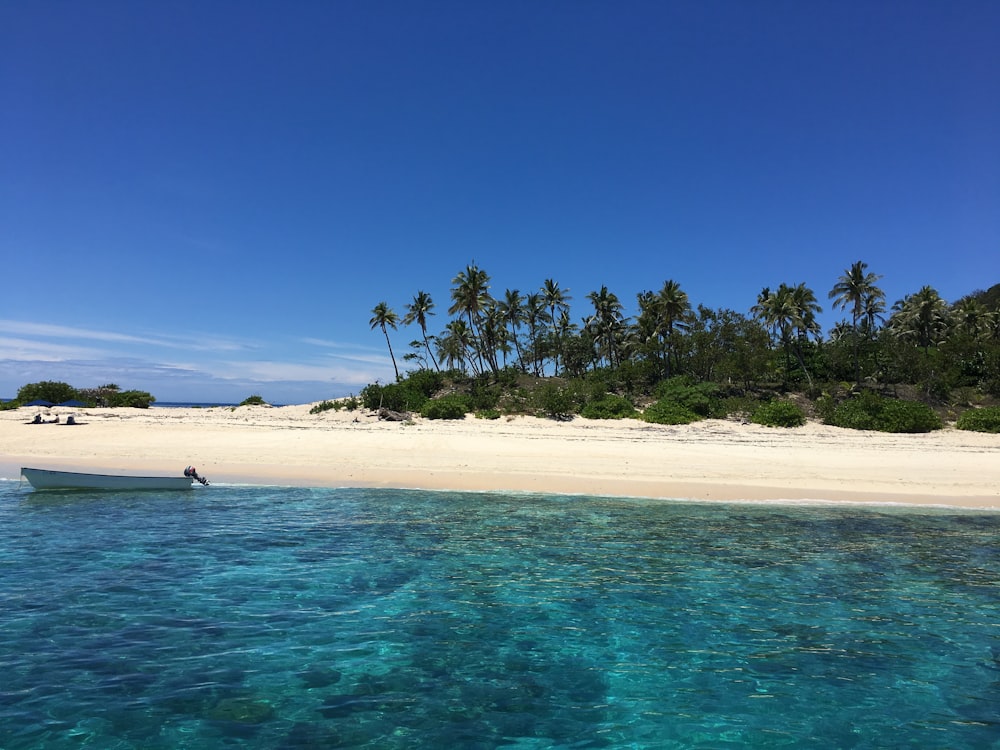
294	618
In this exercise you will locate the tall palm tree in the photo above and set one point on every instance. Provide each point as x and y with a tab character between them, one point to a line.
383	317
606	324
418	311
557	300
673	306
492	333
874	307
790	314
972	318
513	313
453	345
923	316
806	308
535	316
470	294
856	289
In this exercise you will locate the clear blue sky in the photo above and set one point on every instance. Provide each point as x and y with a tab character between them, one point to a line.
204	200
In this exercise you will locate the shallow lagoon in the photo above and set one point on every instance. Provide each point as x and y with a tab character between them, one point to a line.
287	618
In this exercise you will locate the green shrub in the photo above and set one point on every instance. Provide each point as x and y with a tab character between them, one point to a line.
727	407
517	401
555	401
779	414
371	396
134	399
667	411
685	392
869	411
424	382
488	414
986	419
409	394
394	396
46	390
254	400
484	395
609	406
825	406
323	406
350	404
452	406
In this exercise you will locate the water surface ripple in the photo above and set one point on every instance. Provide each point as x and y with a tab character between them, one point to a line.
296	618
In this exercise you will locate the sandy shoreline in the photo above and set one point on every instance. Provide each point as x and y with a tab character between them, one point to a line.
711	460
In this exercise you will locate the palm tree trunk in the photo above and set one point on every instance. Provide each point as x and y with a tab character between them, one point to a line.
427	346
391	355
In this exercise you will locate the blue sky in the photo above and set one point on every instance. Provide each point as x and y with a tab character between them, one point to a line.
204	200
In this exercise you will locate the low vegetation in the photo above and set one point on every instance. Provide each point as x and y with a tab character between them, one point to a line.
56	392
609	406
349	404
871	411
666	411
452	406
677	401
778	413
986	419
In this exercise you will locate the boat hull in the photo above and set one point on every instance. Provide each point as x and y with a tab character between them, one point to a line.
47	479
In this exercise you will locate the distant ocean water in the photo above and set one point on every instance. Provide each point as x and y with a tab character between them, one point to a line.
297	618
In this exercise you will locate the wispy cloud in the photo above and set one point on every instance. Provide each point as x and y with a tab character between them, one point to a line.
327	344
211	367
351	353
196	341
27	349
271	370
46	330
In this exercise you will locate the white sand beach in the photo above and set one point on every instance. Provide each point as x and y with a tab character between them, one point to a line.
711	460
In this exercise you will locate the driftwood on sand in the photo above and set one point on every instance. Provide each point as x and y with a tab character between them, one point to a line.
393	416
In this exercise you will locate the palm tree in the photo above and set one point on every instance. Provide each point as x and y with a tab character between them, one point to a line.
535	316
513	313
469	295
606	324
383	317
874	307
922	316
806	307
661	316
972	318
673	305
418	311
856	289
790	314
556	299
493	334
456	344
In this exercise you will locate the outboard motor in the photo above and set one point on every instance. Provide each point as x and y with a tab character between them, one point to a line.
192	472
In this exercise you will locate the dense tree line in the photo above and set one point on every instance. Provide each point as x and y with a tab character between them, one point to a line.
56	393
935	349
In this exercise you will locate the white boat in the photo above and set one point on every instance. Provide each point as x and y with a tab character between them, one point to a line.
47	479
